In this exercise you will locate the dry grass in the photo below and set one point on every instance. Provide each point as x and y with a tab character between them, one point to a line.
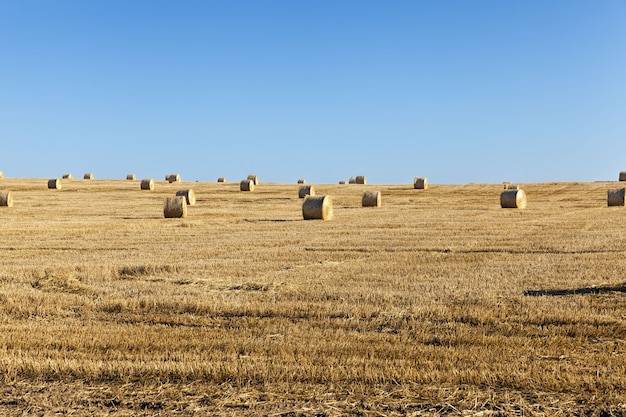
437	303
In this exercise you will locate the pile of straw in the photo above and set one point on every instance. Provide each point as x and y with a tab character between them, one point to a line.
371	199
306	190
318	207
246	185
513	198
54	184
420	183
175	207
172	178
147	184
189	195
616	197
254	178
6	199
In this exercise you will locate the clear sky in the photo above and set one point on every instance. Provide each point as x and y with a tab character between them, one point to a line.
455	91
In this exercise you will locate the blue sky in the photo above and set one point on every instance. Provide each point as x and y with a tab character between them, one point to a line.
455	91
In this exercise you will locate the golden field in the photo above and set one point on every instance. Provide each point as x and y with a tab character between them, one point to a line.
439	302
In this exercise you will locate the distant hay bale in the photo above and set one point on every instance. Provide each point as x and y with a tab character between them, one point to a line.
68	176
1	174
190	196
254	178
510	186
515	198
88	176
342	182
54	184
147	184
246	185
420	183
131	177
371	199
360	179
622	176
616	197
352	180
317	207
175	207
306	190
172	178
6	198
301	181
221	179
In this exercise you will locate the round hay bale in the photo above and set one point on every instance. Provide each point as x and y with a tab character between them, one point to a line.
147	184
68	176
510	186
305	190
342	182
622	176
317	207
420	183
352	180
88	176
221	179
360	179
616	197
6	198
254	178
131	177
175	207
246	185
190	196
172	178
515	198
301	181
371	199
54	184
1	174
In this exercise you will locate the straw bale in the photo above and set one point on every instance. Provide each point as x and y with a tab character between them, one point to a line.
306	190
172	178
246	185
352	180
1	174
131	177
147	184
301	181
420	183
371	199
221	179
616	197
360	179
254	178
190	196
6	198
54	184
175	207
342	182
622	176
68	176
317	207
515	198
88	176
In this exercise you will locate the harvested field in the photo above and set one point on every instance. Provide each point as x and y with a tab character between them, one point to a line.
435	303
